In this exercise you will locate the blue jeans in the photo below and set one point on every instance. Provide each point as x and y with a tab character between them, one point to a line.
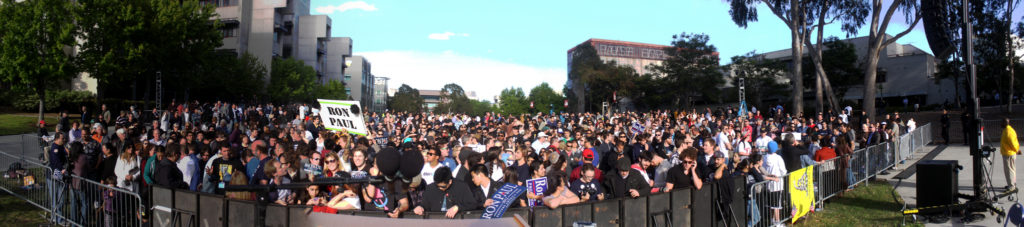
80	207
849	173
56	190
755	213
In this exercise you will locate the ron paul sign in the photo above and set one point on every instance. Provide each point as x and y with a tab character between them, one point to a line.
342	115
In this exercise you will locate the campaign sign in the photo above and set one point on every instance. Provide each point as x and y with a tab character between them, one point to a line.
503	198
338	115
537	186
636	128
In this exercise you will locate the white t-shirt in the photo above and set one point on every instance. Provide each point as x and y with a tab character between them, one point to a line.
187	167
774	165
537	145
428	172
762	143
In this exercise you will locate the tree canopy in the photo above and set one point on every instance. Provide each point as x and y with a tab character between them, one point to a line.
407	99
545	99
34	41
512	101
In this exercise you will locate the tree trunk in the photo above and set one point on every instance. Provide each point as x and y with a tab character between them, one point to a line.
797	75
41	92
870	72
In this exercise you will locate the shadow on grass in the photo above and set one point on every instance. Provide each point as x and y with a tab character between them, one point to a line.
868	205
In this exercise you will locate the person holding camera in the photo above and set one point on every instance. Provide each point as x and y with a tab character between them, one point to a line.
587	187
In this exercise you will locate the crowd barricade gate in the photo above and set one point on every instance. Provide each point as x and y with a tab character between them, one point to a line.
659	209
163	204
739	204
521	211
681	206
544	216
701	209
582	212
242	213
277	216
186	205
634	211
607	212
211	210
297	216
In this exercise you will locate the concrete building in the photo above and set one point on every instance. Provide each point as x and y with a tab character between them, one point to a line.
359	81
380	94
339	49
904	71
270	29
632	54
431	98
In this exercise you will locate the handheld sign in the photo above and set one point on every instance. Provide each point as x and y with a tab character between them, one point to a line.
503	198
338	115
537	186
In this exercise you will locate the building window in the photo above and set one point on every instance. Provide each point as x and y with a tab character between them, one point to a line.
880	75
229	32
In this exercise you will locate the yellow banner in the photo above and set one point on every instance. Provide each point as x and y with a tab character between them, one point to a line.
801	191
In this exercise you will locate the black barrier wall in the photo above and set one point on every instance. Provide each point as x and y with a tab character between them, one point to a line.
682	207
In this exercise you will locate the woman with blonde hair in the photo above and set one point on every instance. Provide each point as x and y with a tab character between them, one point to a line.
239	178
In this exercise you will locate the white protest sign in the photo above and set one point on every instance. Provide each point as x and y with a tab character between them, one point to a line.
338	115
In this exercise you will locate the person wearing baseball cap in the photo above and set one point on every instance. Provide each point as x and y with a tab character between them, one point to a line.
541	142
588	159
625	181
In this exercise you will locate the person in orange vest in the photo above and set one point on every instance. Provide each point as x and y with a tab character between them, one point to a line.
1010	150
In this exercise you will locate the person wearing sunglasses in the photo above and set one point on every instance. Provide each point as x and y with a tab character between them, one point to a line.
431	159
685	174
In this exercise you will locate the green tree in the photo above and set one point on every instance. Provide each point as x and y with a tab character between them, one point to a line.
332	90
793	14
225	76
291	80
852	15
691	69
595	81
34	41
407	99
761	77
480	108
545	99
453	100
127	42
512	101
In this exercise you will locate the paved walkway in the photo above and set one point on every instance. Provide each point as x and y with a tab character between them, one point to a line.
908	188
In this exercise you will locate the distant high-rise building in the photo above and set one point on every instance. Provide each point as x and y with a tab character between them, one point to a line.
270	29
380	94
635	55
359	81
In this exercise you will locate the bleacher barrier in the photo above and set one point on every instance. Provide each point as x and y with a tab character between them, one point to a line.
681	207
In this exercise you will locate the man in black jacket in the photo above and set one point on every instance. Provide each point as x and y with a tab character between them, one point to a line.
791	152
167	172
626	182
446	195
485	187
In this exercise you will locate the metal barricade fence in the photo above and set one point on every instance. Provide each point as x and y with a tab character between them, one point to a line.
26	179
769	200
91	203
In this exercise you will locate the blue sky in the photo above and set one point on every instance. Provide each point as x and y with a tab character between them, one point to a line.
486	46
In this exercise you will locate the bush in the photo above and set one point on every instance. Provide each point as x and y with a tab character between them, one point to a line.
54	100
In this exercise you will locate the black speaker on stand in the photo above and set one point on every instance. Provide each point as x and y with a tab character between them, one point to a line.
936	185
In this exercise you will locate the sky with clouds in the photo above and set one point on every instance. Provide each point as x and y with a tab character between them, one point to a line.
486	46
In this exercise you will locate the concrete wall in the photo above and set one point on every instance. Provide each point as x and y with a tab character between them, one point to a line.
339	49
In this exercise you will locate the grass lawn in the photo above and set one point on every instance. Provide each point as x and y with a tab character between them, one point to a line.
870	205
16	212
13	124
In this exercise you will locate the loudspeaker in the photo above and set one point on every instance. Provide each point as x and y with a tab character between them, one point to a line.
936	183
939	25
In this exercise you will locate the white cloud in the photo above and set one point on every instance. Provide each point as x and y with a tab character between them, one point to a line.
360	5
432	70
445	35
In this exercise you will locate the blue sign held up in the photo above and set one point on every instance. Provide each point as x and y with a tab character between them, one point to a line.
503	198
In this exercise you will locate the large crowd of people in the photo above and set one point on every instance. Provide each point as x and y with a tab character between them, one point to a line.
450	162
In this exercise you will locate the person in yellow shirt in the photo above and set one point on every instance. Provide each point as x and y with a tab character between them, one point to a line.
1010	150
